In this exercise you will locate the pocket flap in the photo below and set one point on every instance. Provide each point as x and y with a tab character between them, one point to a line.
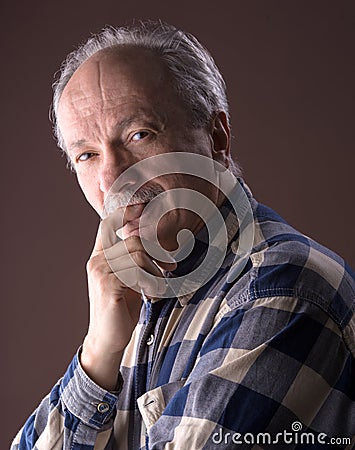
153	403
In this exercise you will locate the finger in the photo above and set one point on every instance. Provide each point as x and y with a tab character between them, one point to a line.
166	266
132	260
120	249
137	279
134	244
158	253
108	233
152	287
123	248
115	219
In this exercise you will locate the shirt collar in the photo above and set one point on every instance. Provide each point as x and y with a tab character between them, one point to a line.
202	244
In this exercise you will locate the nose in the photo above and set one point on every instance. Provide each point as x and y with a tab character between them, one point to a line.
112	165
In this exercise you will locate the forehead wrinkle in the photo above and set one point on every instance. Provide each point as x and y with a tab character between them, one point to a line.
85	86
94	79
99	78
103	91
150	117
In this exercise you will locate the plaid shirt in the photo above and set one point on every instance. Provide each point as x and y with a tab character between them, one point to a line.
264	362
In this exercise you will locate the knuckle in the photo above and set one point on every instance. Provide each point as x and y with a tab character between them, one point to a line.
101	284
89	265
138	257
133	242
94	265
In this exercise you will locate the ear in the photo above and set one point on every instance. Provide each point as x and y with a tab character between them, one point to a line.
220	137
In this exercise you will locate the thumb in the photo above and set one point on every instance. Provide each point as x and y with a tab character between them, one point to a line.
106	235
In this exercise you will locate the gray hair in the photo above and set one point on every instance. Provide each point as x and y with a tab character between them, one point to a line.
197	78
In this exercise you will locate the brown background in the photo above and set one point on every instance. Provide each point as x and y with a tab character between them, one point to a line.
290	70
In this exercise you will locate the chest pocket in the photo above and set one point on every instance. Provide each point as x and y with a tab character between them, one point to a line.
153	403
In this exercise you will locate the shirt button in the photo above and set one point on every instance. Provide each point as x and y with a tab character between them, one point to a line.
103	407
150	340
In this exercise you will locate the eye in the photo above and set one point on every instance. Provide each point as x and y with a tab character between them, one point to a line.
85	156
139	135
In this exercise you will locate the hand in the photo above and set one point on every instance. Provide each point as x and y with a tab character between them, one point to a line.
114	307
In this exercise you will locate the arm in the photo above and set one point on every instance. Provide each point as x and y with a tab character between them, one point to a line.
76	411
80	408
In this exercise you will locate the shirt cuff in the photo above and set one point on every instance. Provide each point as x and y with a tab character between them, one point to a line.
86	400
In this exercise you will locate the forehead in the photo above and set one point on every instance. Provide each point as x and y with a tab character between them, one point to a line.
117	72
115	83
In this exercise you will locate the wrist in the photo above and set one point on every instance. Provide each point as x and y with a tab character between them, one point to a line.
101	366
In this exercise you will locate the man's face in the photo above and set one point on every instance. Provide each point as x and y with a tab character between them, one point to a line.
119	108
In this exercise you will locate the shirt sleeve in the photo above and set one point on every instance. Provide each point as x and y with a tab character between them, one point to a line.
271	367
76	414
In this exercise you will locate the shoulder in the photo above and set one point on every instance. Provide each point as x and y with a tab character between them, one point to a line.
285	264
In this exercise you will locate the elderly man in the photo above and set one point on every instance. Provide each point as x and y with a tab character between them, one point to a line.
263	357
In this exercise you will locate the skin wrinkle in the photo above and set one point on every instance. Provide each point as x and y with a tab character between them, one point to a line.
101	90
81	143
80	96
126	85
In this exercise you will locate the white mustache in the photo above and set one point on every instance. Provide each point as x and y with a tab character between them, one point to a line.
116	200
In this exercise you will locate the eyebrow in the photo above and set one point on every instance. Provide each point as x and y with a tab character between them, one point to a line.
119	126
77	144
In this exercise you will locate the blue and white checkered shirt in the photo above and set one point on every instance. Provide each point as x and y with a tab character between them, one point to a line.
264	362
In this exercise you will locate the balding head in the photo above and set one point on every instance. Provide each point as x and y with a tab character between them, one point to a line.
193	72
